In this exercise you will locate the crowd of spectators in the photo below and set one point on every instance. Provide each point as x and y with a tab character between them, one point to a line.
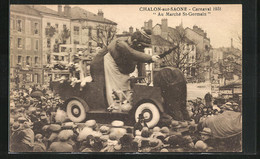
39	124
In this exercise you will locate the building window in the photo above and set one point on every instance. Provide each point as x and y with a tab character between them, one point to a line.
90	32
28	43
36	60
98	32
56	57
76	30
76	42
63	49
62	58
109	34
57	28
48	43
19	43
206	47
28	26
192	48
19	60
36	45
56	46
36	78
19	25
161	50
11	60
11	42
11	24
90	44
155	49
48	59
28	59
36	28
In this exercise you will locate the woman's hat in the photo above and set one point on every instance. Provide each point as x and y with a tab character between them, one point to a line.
69	125
165	130
53	136
228	103
54	127
206	131
117	123
91	123
16	126
38	136
235	104
156	129
45	127
65	135
27	124
112	136
104	130
164	150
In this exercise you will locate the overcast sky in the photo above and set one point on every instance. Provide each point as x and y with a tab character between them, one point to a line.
220	26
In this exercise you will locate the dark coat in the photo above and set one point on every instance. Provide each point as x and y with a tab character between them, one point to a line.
174	91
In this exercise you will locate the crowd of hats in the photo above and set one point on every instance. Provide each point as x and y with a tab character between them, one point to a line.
198	109
52	131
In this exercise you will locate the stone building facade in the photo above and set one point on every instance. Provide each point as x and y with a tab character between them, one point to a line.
25	46
91	30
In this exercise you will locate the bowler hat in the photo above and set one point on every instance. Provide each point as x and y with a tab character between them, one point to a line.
22	119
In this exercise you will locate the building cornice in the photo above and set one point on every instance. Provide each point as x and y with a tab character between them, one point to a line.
26	15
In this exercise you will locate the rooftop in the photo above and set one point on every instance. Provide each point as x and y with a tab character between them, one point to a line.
199	33
158	40
78	13
46	10
173	33
24	9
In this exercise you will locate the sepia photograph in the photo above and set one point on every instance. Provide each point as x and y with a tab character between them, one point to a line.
125	78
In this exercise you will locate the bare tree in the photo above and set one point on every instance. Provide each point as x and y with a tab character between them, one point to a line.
105	34
179	58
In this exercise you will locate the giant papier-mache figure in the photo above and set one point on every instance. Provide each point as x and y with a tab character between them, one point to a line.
112	65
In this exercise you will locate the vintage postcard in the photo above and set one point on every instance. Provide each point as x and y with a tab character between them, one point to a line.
125	78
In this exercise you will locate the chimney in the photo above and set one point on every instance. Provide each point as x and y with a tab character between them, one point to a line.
60	9
131	30
164	25
195	27
67	10
150	24
232	43
145	25
100	13
164	33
